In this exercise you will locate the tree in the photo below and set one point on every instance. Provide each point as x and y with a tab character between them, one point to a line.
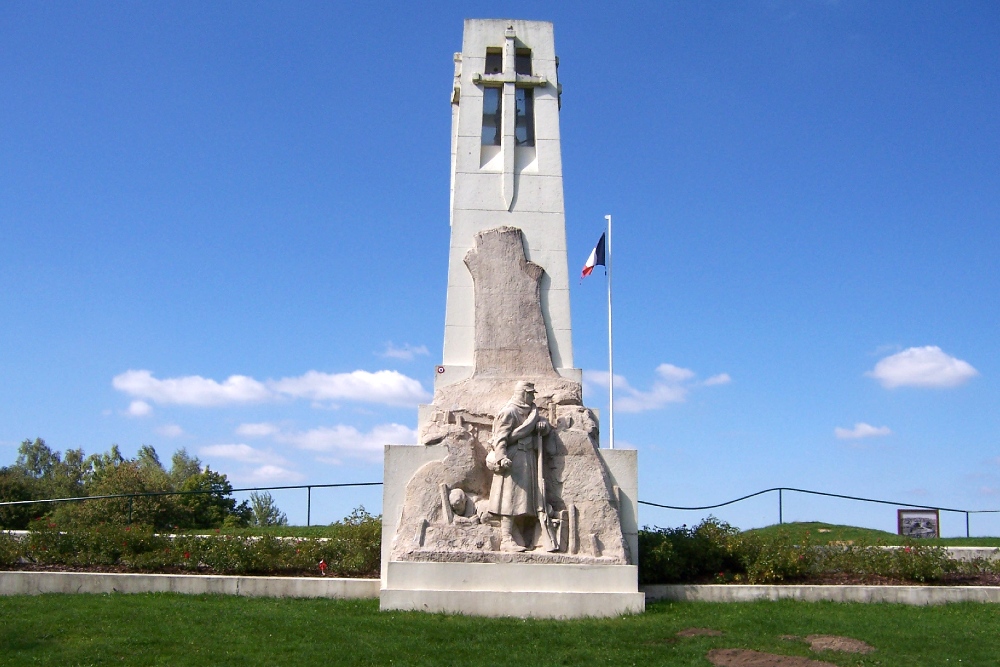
183	466
42	473
265	510
125	477
36	459
155	474
14	486
97	464
213	506
50	475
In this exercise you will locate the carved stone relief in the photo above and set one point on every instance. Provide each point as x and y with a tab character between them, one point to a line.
521	480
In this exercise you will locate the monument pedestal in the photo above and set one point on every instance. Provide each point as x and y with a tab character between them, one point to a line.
519	589
508	507
525	590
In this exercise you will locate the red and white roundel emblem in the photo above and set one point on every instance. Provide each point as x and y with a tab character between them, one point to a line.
440	369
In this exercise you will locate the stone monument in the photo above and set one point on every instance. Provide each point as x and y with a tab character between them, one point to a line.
508	507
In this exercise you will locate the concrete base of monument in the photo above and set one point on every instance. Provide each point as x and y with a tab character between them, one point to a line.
512	589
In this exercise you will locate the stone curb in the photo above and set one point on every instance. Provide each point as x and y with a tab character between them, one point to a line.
913	595
35	583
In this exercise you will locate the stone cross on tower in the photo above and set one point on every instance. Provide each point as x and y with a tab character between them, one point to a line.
516	74
506	172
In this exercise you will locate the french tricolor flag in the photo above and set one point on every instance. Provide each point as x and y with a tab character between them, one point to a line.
596	259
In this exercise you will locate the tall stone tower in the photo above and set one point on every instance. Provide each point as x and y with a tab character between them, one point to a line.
509	507
506	170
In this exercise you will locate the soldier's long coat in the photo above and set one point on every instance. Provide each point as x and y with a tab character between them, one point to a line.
513	492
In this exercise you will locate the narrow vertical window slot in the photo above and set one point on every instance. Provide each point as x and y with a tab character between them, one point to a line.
494	61
522	61
524	126
492	116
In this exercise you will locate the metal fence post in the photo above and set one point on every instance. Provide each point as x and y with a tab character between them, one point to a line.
309	500
781	514
966	524
130	499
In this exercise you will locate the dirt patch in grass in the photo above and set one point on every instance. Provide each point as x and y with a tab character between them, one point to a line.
699	632
831	643
835	643
740	657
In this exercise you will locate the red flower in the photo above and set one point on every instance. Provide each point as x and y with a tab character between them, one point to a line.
322	567
187	555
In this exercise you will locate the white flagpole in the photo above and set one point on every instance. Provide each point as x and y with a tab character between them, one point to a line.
611	356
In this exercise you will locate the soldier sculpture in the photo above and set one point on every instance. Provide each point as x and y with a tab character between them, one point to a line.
517	494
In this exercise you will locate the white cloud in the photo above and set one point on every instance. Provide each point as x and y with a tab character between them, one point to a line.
270	473
330	460
660	395
266	465
347	440
389	387
240	452
258	430
600	379
406	353
673	373
139	408
672	386
191	389
386	387
861	430
170	430
922	367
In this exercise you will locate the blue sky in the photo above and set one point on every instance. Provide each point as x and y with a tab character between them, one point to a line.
224	227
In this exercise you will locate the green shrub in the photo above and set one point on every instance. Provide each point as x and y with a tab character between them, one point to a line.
352	550
669	555
911	562
714	550
11	549
772	558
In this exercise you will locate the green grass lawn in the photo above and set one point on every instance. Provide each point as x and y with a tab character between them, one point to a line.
166	629
823	533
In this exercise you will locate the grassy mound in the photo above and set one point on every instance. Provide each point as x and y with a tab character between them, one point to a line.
817	532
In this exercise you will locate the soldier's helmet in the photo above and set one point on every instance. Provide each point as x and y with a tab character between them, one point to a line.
525	386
